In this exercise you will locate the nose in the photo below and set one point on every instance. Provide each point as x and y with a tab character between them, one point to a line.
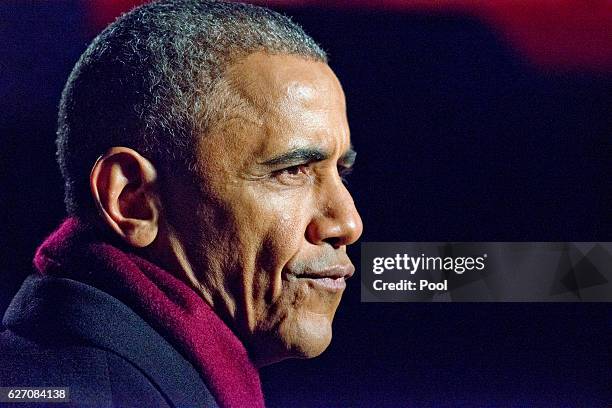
337	222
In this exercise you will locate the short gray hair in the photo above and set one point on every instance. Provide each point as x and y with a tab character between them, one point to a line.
150	82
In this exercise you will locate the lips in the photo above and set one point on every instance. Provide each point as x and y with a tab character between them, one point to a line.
332	279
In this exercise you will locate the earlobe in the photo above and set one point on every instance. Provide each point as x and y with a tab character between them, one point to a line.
123	186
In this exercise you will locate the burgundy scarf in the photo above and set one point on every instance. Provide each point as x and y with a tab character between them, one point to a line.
165	302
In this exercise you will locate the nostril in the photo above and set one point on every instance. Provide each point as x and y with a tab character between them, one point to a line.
335	242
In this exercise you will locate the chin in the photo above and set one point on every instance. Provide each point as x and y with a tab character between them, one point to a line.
313	334
306	337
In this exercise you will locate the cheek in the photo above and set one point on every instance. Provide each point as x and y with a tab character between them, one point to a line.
280	236
283	239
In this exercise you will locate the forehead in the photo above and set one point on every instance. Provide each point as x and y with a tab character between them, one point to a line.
289	101
261	76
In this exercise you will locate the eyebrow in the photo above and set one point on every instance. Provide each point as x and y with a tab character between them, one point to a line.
298	155
306	154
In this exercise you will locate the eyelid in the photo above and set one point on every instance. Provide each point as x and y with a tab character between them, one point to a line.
285	166
282	175
288	167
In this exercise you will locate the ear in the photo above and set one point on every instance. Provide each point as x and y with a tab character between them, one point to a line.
123	185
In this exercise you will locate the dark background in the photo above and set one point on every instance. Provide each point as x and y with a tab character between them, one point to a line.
471	124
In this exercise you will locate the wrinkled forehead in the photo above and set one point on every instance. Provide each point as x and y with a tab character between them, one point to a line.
292	99
263	78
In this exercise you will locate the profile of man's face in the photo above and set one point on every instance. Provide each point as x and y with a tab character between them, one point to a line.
267	239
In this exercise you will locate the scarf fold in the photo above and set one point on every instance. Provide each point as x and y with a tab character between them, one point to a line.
165	302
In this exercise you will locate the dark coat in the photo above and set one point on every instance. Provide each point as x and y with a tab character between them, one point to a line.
63	333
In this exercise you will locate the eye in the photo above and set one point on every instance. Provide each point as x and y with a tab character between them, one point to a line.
294	170
293	175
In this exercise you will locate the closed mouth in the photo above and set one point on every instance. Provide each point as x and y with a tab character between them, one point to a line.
344	271
333	284
333	278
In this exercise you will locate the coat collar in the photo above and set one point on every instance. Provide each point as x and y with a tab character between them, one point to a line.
62	311
172	308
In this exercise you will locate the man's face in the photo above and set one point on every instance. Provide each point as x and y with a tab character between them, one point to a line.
268	243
